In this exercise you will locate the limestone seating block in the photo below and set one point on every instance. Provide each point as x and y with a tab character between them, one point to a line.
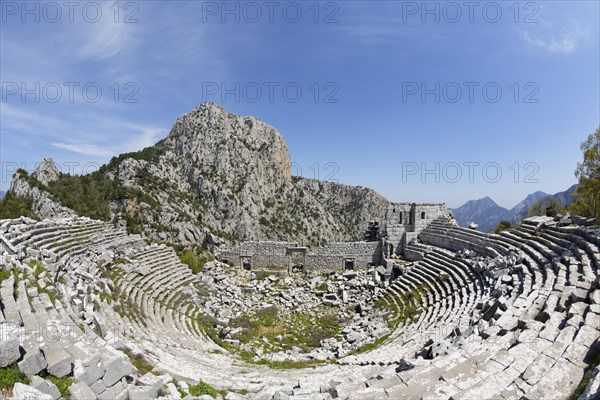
9	351
116	368
562	378
142	393
113	392
32	363
80	391
59	361
25	392
46	386
89	371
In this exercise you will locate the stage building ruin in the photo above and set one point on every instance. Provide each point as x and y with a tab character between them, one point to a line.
402	223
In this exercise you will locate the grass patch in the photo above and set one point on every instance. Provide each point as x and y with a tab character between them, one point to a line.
370	346
139	362
61	383
5	274
11	375
203	388
408	310
301	330
290	364
37	267
296	330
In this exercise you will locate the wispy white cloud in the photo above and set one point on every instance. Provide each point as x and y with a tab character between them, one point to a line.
564	41
132	137
559	28
106	38
100	137
85	149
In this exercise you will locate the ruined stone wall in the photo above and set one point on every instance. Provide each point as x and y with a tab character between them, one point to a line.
276	255
403	218
332	257
261	255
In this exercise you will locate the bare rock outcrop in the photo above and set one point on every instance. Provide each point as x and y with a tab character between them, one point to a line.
217	176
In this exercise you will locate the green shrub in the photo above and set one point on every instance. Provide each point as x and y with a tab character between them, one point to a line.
12	207
193	260
202	388
4	274
502	226
11	375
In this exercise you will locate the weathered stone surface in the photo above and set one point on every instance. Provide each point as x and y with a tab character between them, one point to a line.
59	361
562	378
116	368
112	392
32	363
142	393
45	386
152	381
25	392
81	391
9	352
592	391
98	387
472	318
89	371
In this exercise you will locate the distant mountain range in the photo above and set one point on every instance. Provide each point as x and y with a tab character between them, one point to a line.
487	214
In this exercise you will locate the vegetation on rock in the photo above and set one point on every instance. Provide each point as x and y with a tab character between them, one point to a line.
12	206
587	195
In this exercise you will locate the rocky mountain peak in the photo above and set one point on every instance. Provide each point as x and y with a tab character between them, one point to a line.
211	137
217	175
47	171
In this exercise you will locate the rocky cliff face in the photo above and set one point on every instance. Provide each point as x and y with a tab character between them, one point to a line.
222	176
43	205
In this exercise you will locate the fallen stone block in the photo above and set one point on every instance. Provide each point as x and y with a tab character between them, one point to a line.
153	381
25	392
88	371
116	368
46	386
81	391
114	391
59	361
593	388
32	363
142	393
9	352
98	387
172	391
440	348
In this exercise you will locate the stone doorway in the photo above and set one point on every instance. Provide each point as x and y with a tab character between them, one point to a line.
349	264
396	272
296	259
246	263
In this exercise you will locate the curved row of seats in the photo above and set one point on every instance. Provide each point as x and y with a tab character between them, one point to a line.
538	347
552	323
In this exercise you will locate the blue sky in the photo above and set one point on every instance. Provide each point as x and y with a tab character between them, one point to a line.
389	89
